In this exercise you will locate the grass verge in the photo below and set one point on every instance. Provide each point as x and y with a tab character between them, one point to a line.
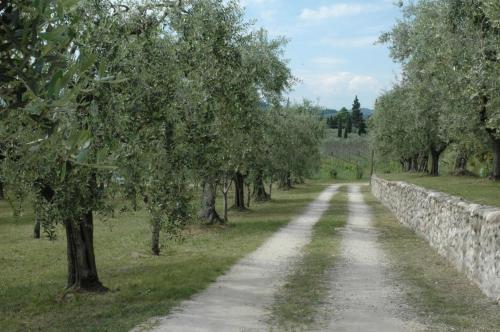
34	271
446	300
298	304
477	190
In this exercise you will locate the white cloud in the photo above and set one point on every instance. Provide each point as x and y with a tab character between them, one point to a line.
245	3
328	61
337	89
340	83
363	83
350	42
337	10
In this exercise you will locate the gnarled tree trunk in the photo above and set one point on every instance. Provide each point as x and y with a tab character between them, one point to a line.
249	196
435	154
496	158
286	181
495	141
415	163
239	191
270	187
225	189
208	212
82	269
133	201
406	164
461	163
224	195
423	163
44	196
36	229
155	237
259	191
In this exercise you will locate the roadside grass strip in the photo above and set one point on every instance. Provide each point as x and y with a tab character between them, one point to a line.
34	271
445	298
474	189
301	303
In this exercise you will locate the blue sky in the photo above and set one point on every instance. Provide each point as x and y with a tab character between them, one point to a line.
331	46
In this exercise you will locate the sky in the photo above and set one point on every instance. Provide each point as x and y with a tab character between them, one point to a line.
330	47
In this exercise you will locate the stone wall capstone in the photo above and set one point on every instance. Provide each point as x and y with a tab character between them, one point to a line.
467	234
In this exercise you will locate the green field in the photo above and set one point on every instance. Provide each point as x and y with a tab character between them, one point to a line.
345	159
477	190
34	271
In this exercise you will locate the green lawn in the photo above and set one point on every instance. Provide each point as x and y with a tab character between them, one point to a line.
478	190
34	271
444	298
298	304
340	156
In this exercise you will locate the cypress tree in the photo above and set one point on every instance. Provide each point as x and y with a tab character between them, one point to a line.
349	124
335	122
357	116
339	132
329	122
362	126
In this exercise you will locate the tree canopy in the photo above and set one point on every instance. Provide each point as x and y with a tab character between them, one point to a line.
448	93
144	101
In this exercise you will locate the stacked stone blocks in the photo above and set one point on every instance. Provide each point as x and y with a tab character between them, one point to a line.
467	234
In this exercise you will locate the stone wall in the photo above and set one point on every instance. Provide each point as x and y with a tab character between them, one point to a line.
467	234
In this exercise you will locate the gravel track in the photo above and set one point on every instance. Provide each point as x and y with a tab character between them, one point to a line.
239	300
364	297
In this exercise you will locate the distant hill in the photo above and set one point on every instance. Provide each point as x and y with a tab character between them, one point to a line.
326	113
367	112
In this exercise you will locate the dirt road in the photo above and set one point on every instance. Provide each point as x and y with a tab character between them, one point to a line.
363	295
239	300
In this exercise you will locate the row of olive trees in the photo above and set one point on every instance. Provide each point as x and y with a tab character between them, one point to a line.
145	100
449	92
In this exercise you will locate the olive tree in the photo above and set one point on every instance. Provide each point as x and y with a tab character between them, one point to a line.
294	135
448	50
155	168
56	132
209	34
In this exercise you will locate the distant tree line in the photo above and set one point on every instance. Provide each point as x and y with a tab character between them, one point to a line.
448	95
348	122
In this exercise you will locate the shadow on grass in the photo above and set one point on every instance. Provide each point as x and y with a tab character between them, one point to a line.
142	286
